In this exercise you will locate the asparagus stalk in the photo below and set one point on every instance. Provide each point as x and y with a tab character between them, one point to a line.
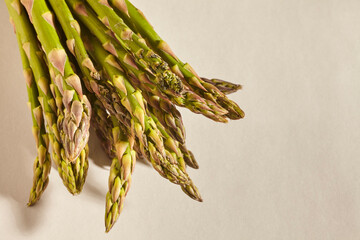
129	12
42	163
74	42
168	115
187	98
224	86
48	103
122	165
74	121
188	157
119	184
74	172
175	155
135	45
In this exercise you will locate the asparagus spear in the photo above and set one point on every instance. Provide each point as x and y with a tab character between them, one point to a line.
168	115
42	163
175	155
187	98
74	172
224	86
122	165
48	103
74	42
74	121
188	157
136	46
185	71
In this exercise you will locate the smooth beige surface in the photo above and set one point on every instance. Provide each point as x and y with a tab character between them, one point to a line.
289	171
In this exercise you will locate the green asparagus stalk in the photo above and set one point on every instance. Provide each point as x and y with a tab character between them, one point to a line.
168	115
187	98
48	103
122	166
42	164
119	184
74	172
188	156
74	121
129	12
174	154
224	86
74	42
135	45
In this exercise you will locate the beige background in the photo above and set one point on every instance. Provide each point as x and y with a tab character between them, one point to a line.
290	170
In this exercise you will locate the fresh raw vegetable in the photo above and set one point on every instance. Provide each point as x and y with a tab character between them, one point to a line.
100	64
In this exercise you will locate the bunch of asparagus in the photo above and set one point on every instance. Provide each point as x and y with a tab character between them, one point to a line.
100	63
